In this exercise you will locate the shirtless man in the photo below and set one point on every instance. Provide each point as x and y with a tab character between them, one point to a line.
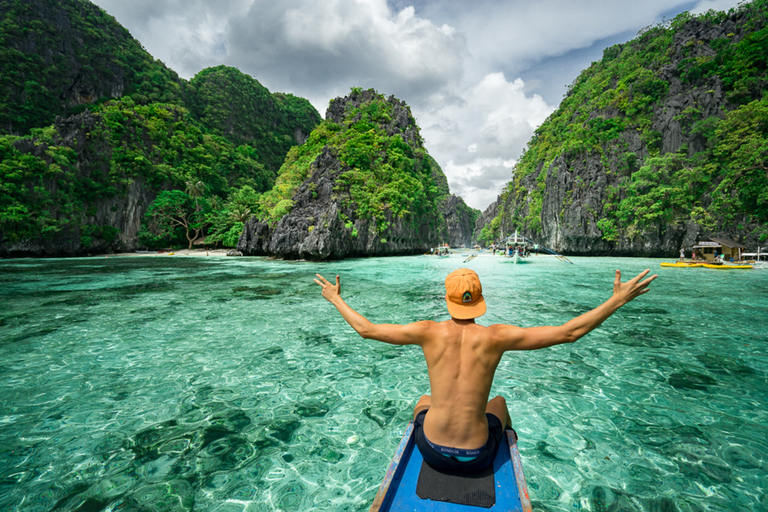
455	428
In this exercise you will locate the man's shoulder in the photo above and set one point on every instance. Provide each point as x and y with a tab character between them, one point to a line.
427	324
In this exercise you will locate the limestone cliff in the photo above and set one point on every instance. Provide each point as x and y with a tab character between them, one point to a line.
366	187
93	129
659	144
59	56
109	223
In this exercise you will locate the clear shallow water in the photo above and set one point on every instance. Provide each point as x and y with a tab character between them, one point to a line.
220	384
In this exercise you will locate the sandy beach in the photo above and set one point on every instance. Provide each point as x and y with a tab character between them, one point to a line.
181	252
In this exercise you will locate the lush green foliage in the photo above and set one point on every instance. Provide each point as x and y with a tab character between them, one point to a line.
37	194
380	173
172	213
619	95
274	204
226	223
222	130
57	55
236	106
733	172
48	190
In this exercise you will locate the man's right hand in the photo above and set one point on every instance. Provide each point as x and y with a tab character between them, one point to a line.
626	292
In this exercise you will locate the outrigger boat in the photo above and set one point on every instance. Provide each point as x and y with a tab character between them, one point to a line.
517	248
411	484
718	266
441	251
756	259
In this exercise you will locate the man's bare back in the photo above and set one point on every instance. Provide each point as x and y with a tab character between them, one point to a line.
462	356
461	364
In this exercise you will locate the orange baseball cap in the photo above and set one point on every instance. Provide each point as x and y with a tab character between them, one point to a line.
464	294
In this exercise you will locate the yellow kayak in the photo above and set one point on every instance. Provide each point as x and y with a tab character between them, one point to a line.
729	267
679	264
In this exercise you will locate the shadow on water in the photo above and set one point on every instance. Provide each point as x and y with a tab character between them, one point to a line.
689	379
382	413
27	335
255	292
725	365
172	462
316	338
615	500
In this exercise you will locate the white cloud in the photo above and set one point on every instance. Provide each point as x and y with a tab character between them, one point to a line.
494	121
321	49
717	5
188	35
459	65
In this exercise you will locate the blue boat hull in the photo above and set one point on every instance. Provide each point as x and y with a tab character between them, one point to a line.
398	490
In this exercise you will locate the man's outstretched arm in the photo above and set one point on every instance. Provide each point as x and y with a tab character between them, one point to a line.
510	337
410	334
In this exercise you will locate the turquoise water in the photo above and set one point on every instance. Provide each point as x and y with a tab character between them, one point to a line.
228	384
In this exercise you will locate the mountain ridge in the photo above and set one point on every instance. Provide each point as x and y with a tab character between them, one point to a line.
640	157
106	149
362	185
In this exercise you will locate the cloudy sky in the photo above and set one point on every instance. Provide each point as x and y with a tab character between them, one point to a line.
479	75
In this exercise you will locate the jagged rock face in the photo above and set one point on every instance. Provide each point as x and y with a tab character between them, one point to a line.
70	48
459	225
400	122
314	229
124	211
582	185
485	218
322	225
578	185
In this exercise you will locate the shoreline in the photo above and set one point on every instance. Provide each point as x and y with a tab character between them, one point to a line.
182	252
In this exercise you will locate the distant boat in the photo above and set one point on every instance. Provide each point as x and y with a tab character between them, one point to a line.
756	259
525	244
517	248
441	251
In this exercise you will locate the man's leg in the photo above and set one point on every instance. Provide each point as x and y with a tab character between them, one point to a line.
498	407
424	403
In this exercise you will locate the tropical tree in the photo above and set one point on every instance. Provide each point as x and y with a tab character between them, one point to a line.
173	210
240	213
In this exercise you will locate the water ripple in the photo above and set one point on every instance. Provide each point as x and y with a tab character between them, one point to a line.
230	385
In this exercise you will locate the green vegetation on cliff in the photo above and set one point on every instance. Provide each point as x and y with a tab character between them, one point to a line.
58	55
382	170
719	179
45	188
236	106
136	128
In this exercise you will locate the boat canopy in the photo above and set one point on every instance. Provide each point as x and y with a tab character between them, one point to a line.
516	240
719	242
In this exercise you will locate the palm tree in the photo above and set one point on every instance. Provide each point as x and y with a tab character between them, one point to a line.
240	213
195	190
215	203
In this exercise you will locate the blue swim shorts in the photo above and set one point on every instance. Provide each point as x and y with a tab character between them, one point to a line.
456	459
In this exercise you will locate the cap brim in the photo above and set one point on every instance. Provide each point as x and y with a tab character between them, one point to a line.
466	311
